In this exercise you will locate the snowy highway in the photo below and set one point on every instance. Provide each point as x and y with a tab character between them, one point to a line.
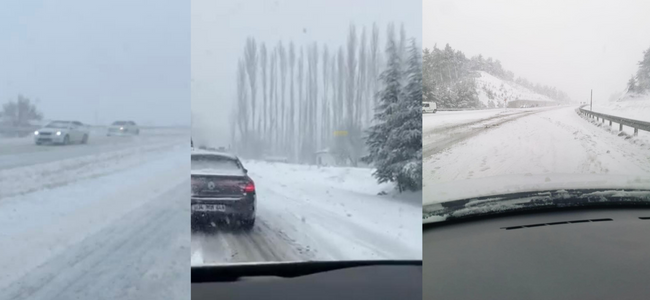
527	142
107	220
311	213
16	152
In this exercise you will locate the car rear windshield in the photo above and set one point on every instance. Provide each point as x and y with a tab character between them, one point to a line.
119	123
214	162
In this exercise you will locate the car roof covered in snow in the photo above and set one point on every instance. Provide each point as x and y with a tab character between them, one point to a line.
216	153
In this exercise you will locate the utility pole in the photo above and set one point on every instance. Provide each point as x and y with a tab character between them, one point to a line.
591	101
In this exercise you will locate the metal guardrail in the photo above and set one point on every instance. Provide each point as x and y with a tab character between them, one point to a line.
635	124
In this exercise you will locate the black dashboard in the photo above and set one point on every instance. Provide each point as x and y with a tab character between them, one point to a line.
310	280
572	254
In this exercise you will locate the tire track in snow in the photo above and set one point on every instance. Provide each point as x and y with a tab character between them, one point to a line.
142	255
438	140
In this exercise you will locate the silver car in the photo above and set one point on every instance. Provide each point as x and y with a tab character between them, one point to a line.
62	132
123	128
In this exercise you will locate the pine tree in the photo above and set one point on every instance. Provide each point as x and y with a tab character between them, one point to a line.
395	140
631	85
643	74
408	137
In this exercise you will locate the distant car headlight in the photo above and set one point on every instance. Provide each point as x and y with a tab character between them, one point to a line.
36	132
58	133
121	128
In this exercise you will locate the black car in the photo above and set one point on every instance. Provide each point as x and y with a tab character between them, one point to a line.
222	189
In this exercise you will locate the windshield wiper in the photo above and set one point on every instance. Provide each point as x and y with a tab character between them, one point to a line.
234	272
533	201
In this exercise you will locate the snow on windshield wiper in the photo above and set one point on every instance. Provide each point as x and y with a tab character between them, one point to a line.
530	201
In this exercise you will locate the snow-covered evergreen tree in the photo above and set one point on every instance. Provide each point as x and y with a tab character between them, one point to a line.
631	85
643	74
395	141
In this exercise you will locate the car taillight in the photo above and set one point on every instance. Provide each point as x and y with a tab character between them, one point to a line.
249	187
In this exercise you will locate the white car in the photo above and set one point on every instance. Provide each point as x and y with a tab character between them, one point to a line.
62	132
429	107
123	128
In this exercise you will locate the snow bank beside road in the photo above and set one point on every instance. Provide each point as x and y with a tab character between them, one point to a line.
637	108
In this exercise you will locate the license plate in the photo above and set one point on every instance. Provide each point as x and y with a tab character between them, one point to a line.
209	207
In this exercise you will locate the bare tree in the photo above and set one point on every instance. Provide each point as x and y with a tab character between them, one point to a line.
20	112
291	137
373	68
341	88
250	54
313	133
263	60
333	82
272	101
283	79
325	103
242	105
362	109
351	72
351	108
301	101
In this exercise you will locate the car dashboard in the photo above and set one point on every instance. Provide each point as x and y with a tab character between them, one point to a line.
561	254
310	280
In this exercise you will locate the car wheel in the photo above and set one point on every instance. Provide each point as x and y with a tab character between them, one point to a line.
38	143
66	140
84	139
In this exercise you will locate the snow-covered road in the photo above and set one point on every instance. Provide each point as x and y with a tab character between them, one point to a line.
310	213
108	224
18	152
544	141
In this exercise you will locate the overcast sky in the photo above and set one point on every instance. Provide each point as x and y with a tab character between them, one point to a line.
115	59
572	45
220	28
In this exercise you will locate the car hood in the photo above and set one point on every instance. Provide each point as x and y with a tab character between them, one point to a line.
53	130
507	184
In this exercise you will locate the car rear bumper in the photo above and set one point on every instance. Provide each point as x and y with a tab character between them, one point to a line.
238	208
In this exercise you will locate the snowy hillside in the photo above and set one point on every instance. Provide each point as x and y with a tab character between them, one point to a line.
631	106
495	89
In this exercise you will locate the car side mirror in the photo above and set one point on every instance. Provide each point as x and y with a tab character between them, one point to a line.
245	170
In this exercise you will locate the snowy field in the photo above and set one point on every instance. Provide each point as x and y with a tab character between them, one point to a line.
311	213
538	147
108	220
